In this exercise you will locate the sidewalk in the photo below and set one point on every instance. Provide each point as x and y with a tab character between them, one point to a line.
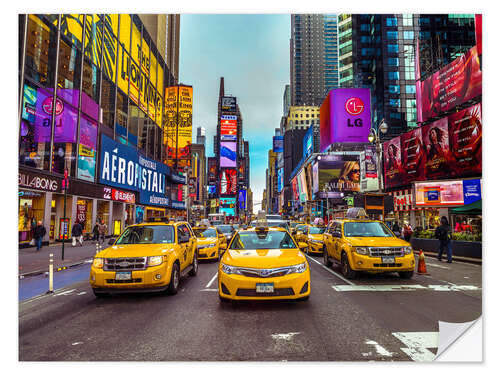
32	262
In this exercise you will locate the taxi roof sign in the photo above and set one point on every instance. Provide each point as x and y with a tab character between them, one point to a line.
356	213
261	222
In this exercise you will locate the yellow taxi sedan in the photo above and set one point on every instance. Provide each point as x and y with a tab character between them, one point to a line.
314	239
209	242
264	263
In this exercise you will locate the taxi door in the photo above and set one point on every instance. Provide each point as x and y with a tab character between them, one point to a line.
183	239
328	238
222	240
337	239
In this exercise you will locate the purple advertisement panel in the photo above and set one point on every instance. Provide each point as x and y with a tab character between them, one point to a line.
348	119
228	154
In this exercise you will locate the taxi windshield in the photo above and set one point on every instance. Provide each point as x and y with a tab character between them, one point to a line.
147	234
317	230
204	233
225	228
366	229
256	240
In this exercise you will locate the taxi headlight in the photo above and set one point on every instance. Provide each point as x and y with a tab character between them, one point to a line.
407	250
230	269
362	251
299	268
98	262
155	261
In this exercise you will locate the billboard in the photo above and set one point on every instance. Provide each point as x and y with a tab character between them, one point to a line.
278	143
212	170
228	128
370	162
295	189
228	103
472	190
307	143
452	85
315	187
439	193
392	163
228	205
228	154
437	149
241	171
228	184
412	155
242	199
338	174
280	180
465	134
302	186
345	117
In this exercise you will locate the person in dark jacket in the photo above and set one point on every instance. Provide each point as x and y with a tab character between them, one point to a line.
395	228
95	232
38	235
443	234
77	233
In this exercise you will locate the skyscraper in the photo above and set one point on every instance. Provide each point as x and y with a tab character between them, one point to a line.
313	57
200	135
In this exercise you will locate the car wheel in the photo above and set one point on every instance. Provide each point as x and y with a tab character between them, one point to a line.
327	262
194	269
173	287
100	294
406	274
347	271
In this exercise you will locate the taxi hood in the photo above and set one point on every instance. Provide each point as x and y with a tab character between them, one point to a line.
205	240
263	258
135	250
316	236
376	241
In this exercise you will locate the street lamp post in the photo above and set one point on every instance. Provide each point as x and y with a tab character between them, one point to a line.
374	137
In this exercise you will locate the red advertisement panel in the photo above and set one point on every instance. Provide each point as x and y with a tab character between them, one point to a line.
452	85
228	182
392	163
412	156
466	140
437	149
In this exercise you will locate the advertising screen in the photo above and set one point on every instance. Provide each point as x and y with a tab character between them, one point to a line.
87	151
228	128
295	189
228	154
228	184
455	84
466	141
345	117
280	180
242	199
370	162
228	205
472	190
212	170
439	193
241	171
302	185
338	174
278	143
307	143
228	103
412	156
437	149
392	163
315	178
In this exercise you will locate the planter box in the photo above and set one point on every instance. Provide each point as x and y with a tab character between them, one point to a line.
469	249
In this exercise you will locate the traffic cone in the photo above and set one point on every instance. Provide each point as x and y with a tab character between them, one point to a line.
421	270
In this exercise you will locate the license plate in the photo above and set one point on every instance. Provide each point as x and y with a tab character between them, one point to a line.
388	260
123	276
264	288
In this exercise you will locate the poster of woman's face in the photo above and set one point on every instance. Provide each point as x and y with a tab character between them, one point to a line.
412	156
436	146
392	162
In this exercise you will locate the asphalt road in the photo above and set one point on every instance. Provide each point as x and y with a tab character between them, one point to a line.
372	318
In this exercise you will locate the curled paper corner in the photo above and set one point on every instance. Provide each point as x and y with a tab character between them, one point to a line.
450	333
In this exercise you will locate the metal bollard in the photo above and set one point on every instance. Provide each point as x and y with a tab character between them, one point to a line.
51	274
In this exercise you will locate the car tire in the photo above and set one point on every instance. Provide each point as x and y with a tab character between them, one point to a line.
175	276
100	294
302	299
194	269
347	271
327	262
406	274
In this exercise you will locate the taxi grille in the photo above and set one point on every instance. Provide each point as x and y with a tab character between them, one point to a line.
122	264
386	251
277	293
387	264
273	272
131	281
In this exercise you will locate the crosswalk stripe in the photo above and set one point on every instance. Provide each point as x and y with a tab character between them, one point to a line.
402	288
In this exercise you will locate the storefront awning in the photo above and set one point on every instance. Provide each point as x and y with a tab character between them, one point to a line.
470	209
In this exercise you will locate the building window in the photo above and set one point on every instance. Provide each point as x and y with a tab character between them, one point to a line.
122	120
392	35
108	103
391	21
408	35
393	75
410	89
393	61
394	89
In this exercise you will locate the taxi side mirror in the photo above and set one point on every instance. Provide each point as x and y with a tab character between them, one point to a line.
302	245
111	241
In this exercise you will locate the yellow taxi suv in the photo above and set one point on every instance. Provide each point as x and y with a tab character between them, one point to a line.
263	263
299	231
146	257
363	245
314	239
209	242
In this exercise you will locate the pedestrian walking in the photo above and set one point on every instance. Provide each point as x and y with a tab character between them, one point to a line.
395	228
407	232
443	234
38	235
103	228
77	234
95	232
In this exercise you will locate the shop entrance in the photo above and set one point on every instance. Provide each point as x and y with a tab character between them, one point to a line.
31	210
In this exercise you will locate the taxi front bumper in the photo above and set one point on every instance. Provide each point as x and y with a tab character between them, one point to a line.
208	252
315	247
239	287
378	264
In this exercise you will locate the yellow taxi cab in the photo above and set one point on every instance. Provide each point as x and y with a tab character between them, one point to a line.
146	257
360	244
210	242
298	235
264	263
314	239
293	226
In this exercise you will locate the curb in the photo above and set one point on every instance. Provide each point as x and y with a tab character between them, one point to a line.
458	258
58	269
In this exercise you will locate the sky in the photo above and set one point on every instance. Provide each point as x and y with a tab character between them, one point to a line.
252	53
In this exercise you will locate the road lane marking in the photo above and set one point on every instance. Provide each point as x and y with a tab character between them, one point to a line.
77	343
418	344
284	336
65	293
400	288
209	290
331	271
211	281
379	348
438	266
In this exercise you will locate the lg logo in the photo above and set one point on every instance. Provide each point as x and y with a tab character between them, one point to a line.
354	106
